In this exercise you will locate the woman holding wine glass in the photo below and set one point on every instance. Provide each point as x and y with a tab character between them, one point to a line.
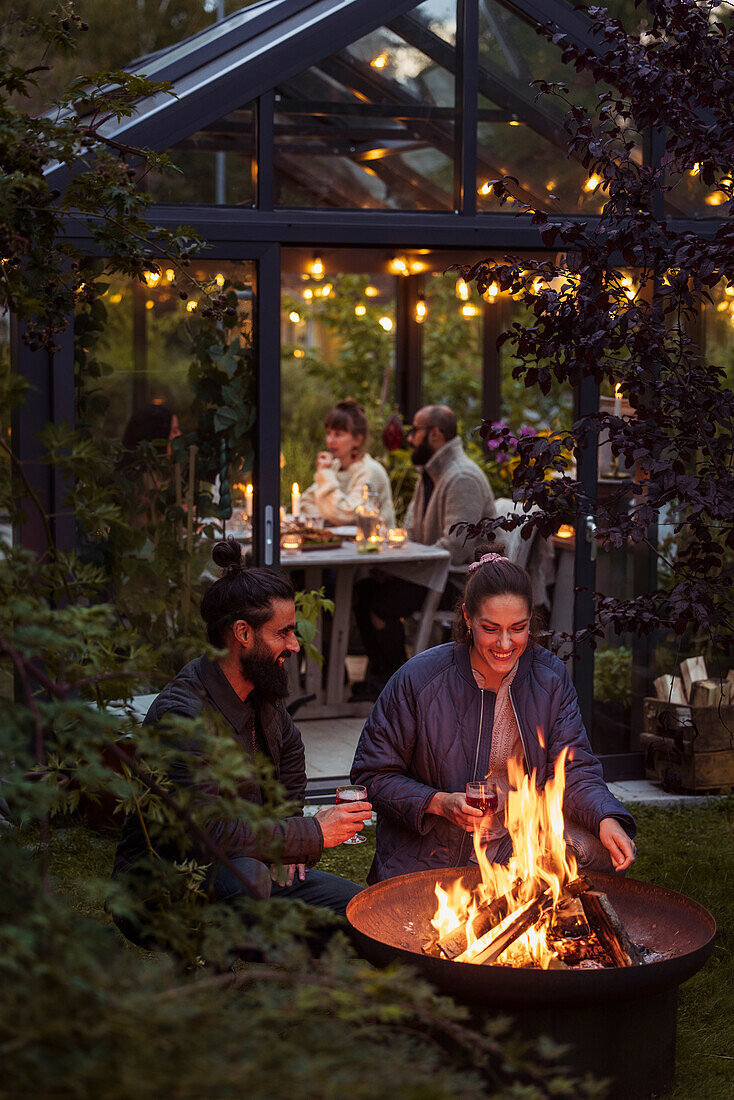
456	715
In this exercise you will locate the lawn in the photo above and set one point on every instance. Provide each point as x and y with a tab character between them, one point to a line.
686	849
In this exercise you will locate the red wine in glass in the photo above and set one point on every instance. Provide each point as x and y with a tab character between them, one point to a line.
483	795
352	793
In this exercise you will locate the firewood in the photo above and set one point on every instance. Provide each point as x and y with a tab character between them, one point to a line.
692	670
712	693
604	920
669	689
569	919
489	915
730	676
490	946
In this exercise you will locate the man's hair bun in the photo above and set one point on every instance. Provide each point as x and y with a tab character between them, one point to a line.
227	554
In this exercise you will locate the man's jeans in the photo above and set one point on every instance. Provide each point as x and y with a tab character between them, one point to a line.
319	888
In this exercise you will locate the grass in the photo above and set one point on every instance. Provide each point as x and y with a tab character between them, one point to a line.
690	850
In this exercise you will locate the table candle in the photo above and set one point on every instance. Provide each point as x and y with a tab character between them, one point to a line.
295	500
617	399
397	536
248	501
291	541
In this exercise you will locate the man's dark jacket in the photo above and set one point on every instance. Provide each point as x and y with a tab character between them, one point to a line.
431	730
200	684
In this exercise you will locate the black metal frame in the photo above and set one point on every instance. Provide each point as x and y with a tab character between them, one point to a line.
241	60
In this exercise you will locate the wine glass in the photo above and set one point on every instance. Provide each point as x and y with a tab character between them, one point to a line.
483	794
352	793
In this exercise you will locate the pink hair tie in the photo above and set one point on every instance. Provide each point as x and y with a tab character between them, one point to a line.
486	559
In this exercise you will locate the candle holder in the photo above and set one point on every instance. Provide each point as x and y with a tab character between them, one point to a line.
397	537
291	542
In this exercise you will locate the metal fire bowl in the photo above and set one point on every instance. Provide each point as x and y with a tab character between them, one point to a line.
391	921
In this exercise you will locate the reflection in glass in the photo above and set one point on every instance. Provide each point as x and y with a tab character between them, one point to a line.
215	163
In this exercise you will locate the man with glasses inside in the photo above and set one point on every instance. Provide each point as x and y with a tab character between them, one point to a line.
451	489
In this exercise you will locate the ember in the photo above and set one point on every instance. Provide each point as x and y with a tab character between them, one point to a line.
536	911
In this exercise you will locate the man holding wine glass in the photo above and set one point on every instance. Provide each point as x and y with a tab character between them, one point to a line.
250	616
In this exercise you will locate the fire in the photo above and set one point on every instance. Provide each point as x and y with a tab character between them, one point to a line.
540	862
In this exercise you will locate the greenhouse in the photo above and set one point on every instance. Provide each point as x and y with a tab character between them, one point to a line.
337	157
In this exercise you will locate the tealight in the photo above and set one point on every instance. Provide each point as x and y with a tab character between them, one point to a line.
291	542
397	536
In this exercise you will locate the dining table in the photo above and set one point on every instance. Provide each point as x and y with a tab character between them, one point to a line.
344	565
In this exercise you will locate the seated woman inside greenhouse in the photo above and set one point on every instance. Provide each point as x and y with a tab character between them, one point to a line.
344	468
463	711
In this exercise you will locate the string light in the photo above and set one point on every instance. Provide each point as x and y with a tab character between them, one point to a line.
371	291
398	266
696	169
491	292
550	185
149	304
308	294
565	531
592	182
729	291
219	279
421	309
416	267
469	310
722	306
485	188
462	290
379	62
151	278
316	268
326	290
115	298
170	274
386	324
190	307
716	199
294	317
298	353
360	311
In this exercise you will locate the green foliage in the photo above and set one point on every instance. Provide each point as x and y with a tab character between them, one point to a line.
310	606
613	675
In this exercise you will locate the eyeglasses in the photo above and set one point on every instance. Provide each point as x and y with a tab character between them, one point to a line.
415	428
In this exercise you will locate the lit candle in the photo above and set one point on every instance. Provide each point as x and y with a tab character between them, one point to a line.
248	501
295	500
565	531
291	542
617	400
397	536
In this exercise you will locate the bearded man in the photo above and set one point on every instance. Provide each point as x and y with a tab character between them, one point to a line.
250	615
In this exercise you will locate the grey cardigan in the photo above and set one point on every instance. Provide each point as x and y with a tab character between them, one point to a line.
461	493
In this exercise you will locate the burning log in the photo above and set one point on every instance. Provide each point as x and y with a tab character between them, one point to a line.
487	917
489	947
605	922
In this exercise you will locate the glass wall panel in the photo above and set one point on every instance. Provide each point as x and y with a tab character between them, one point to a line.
452	349
146	346
519	135
371	126
338	340
215	165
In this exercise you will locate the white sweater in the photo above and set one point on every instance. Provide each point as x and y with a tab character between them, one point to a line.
335	493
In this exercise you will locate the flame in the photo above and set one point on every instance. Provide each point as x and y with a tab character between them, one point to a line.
540	860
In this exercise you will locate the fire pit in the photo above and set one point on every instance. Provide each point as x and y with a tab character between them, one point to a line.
621	1022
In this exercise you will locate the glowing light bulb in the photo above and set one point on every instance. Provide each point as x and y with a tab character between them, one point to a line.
316	268
152	278
485	188
696	169
379	62
294	317
371	291
298	353
462	290
326	290
421	310
491	292
722	306
550	185
190	307
565	531
398	266
729	290
170	274
514	122
386	324
149	304
308	294
115	298
360	311
716	199
592	182
416	267
469	310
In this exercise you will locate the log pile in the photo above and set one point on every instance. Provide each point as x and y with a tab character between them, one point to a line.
689	729
585	930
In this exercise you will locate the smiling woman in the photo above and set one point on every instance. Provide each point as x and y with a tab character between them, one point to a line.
466	710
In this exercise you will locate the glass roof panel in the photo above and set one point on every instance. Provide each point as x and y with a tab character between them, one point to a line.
215	163
371	126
